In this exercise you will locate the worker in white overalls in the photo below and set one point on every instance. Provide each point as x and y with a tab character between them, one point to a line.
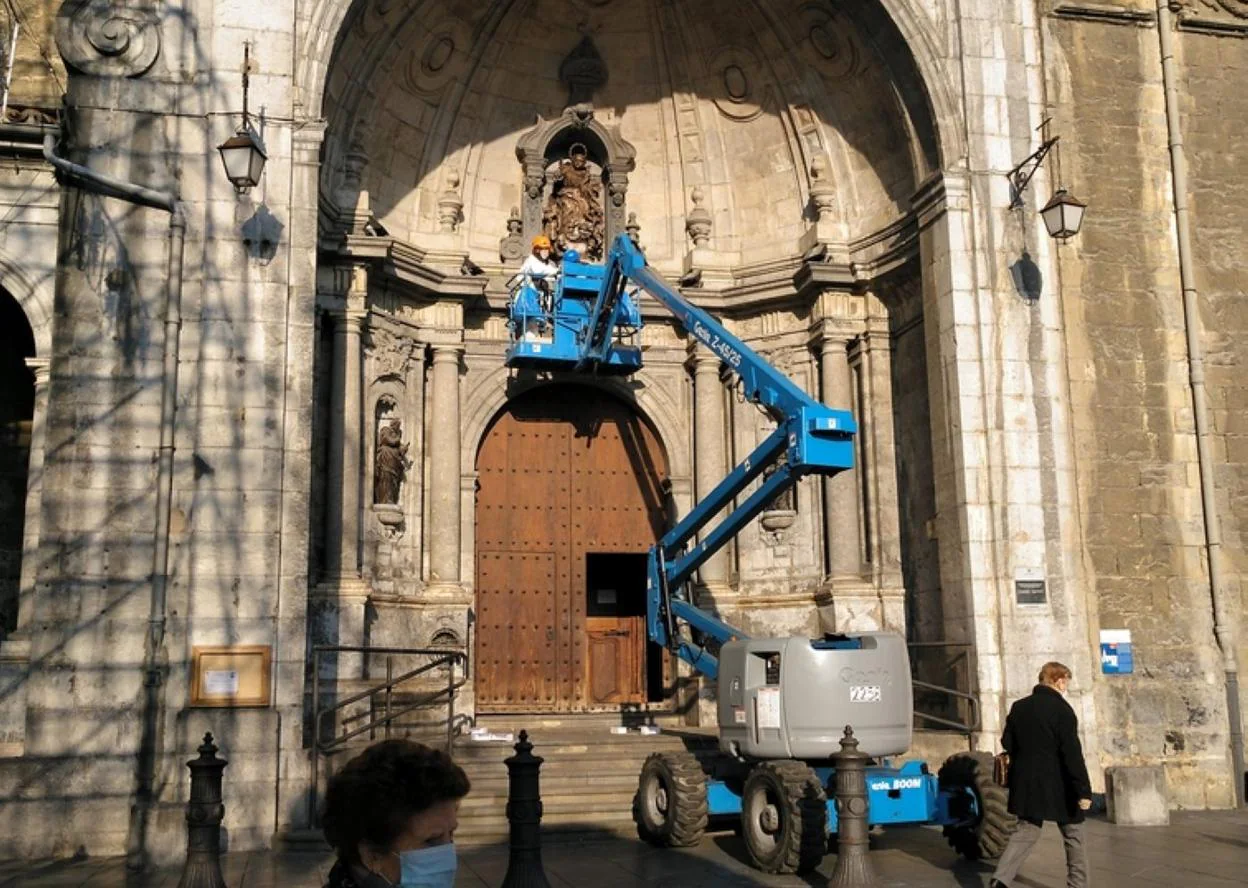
540	273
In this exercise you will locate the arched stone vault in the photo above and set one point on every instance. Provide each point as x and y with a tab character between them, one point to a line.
893	24
742	103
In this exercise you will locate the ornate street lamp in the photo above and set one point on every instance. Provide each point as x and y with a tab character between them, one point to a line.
243	154
1063	214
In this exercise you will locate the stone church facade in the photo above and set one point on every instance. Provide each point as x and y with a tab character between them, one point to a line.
197	401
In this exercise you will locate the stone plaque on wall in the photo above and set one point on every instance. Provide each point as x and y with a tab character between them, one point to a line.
1030	592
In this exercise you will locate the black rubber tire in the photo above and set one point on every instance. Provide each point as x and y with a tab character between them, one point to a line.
987	837
799	805
670	805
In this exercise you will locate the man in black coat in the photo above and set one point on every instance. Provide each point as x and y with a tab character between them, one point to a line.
1048	779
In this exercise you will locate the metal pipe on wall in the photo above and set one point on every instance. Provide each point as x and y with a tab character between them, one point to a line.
1196	371
155	659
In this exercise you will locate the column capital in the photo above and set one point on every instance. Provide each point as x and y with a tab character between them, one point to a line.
830	343
351	320
701	360
41	368
446	352
874	339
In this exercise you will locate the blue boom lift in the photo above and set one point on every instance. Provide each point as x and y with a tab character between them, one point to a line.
781	702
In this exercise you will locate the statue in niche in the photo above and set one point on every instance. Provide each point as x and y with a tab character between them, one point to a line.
573	218
392	464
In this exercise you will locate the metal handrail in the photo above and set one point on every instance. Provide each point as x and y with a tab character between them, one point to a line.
962	648
445	657
965	728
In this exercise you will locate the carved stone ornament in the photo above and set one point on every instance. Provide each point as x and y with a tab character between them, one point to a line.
106	38
634	230
391	354
1237	8
822	191
583	72
450	205
511	248
698	222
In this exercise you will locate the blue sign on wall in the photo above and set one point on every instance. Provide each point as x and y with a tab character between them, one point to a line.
1116	657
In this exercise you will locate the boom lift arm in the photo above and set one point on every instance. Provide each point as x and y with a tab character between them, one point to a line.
809	438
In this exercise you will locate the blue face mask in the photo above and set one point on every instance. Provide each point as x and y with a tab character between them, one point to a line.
432	867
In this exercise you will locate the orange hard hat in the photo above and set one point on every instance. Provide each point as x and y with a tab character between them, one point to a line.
541	242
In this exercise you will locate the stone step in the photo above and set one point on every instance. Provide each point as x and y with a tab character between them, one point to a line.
620	779
584	798
557	824
588	776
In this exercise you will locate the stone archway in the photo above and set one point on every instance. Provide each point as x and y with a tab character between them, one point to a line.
572	493
17	411
423	112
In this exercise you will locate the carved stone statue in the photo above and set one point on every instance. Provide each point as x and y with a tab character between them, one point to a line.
392	463
573	217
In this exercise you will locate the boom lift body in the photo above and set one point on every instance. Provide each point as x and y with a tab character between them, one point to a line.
781	702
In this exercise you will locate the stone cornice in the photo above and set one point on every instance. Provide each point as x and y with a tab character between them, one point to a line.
815	277
791	279
23	129
1107	13
405	264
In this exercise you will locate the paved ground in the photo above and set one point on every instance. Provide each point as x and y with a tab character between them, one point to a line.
1198	850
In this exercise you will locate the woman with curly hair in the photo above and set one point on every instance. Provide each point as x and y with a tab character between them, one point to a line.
391	813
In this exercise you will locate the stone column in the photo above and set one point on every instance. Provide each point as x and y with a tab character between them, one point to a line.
842	506
444	471
342	512
710	454
34	494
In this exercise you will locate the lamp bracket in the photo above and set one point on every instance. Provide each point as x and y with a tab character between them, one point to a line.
1022	174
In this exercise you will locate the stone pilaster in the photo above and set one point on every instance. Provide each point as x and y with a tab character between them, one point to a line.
444	471
710	455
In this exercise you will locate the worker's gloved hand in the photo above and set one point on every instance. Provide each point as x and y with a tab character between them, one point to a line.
1085	804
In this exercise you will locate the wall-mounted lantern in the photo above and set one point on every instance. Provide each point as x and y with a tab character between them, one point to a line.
243	154
1063	214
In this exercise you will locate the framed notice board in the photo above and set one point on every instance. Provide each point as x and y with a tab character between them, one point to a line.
234	676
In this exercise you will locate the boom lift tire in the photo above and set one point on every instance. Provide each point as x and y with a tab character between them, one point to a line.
670	806
784	817
987	837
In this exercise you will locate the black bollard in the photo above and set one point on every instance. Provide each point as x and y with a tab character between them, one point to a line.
524	813
204	813
853	866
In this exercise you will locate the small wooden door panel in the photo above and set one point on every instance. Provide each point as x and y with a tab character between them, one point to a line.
615	671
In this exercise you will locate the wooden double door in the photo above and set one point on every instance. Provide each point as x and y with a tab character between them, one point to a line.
571	496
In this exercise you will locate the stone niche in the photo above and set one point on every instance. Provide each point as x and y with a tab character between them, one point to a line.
543	149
